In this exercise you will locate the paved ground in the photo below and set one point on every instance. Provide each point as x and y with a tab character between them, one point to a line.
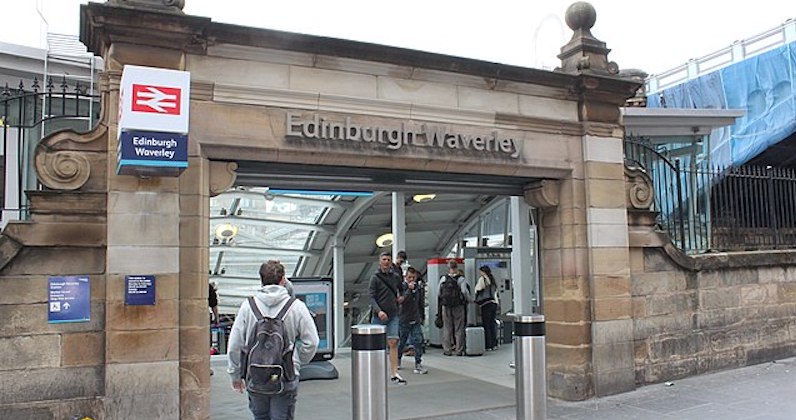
470	388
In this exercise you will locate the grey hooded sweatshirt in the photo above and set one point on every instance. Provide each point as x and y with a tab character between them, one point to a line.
300	327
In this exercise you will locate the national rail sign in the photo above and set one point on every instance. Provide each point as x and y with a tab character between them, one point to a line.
153	99
153	121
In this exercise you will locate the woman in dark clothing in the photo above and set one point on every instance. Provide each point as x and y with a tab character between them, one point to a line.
486	298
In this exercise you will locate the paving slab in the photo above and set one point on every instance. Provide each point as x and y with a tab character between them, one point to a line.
471	388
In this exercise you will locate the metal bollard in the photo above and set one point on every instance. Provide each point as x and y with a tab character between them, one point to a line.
369	372
530	377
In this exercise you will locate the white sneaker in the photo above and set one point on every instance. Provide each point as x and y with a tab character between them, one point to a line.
420	369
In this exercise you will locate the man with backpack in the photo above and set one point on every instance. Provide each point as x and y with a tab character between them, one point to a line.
273	335
454	294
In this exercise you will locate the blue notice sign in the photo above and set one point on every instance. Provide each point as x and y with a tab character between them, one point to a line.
70	299
151	153
139	290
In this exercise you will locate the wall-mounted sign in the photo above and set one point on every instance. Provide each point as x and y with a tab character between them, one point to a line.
398	135
153	121
154	153
69	299
139	290
153	99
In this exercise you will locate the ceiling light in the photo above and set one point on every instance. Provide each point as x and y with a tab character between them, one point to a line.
384	240
226	231
422	198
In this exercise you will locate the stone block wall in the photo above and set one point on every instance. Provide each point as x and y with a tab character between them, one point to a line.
693	315
51	371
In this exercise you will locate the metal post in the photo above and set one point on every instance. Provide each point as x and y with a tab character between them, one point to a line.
369	372
773	224
680	203
530	378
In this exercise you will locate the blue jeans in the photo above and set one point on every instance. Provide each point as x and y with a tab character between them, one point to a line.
411	334
274	407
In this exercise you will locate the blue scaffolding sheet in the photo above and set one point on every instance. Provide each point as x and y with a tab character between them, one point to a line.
763	85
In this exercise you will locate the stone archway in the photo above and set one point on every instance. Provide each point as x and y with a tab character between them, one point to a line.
152	362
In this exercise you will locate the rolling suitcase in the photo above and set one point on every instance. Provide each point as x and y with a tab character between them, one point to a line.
474	341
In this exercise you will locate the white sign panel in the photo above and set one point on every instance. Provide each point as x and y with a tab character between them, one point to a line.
153	99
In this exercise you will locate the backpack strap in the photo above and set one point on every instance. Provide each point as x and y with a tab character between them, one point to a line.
283	312
255	309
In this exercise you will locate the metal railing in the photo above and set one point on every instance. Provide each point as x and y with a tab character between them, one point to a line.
704	208
28	115
739	51
754	208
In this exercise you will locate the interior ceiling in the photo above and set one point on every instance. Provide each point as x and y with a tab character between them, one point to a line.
432	227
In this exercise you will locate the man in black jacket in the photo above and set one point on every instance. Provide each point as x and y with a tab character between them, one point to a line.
413	314
386	293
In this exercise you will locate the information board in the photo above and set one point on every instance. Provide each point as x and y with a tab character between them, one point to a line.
139	290
316	293
69	299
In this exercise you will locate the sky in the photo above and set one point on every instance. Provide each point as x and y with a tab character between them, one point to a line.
653	36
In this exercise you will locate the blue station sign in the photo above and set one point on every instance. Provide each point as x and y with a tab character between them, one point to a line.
139	290
152	153
69	299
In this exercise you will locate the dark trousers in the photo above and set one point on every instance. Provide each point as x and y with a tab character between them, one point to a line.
488	314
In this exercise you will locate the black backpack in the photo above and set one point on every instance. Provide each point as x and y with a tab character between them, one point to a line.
267	359
450	294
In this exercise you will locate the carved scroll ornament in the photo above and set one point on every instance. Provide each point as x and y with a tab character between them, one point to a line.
59	166
222	176
543	194
639	188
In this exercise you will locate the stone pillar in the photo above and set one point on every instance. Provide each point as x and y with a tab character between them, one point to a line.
142	342
609	265
157	357
586	263
565	285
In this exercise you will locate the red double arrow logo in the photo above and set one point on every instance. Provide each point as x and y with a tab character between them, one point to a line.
156	99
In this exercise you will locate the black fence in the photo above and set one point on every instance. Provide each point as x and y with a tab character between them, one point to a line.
28	114
704	208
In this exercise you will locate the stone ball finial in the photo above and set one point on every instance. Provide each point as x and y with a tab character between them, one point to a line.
581	16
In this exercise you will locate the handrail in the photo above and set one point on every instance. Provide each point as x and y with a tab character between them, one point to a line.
738	51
